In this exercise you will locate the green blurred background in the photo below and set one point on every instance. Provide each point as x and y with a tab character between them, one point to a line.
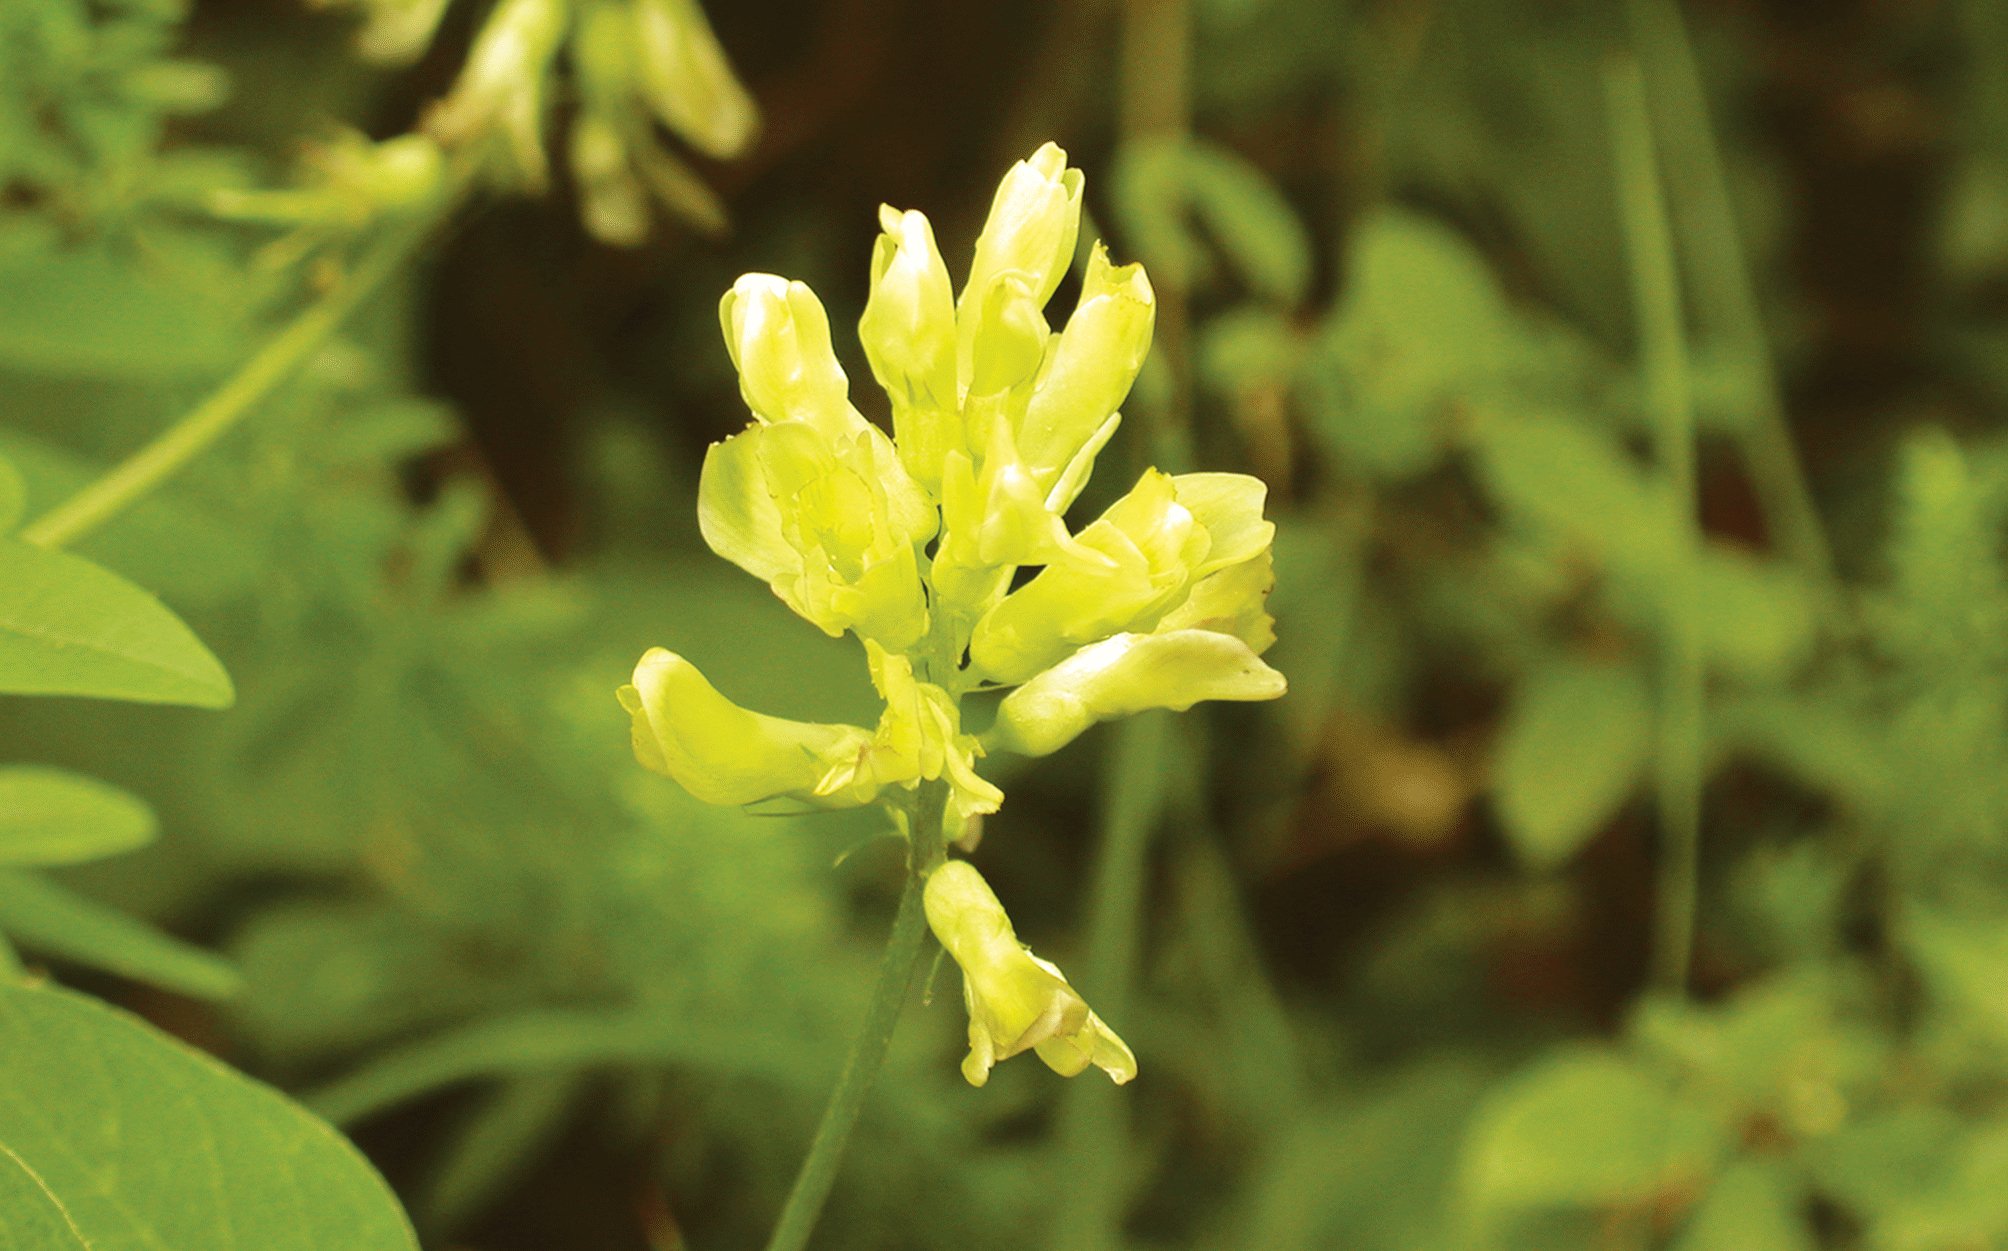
1399	954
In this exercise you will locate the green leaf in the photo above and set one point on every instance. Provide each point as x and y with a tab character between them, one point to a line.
1880	1162
1789	1049
53	816
1577	483
1162	186
546	1041
497	1142
35	1219
1575	743
13	497
1756	616
1248	348
1250	222
1584	1128
69	627
1424	345
1961	1202
1964	961
90	313
1370	1173
196	550
148	1145
1426	296
1756	1203
53	919
1818	738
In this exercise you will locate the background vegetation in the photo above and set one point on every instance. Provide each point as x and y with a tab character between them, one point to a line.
1624	870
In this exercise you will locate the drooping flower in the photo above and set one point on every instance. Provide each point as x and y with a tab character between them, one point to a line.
1017	1002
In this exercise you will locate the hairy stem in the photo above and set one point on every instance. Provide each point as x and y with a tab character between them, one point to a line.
895	977
1663	362
278	361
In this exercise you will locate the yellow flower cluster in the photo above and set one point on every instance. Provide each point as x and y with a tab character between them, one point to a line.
914	542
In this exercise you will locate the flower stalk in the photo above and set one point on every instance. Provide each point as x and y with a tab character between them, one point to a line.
915	543
903	951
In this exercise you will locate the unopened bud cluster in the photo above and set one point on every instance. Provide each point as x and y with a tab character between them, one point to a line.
915	543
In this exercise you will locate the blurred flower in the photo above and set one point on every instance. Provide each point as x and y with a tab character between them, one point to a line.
394	31
633	65
346	182
498	101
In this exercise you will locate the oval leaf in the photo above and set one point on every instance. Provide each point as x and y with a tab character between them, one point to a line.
1578	483
153	1145
69	627
1575	743
53	816
1756	1203
59	922
1584	1128
1757	618
35	1220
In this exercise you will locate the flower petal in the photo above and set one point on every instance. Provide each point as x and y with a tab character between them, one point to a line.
1016	1001
724	754
1127	674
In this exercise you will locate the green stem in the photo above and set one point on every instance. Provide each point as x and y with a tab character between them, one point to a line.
1091	1117
273	365
1664	364
1725	292
902	957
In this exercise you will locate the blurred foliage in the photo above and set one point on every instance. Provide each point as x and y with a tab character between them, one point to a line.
1392	988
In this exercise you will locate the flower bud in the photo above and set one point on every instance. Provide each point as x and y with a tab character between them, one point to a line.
1033	221
688	83
724	754
1127	674
1095	361
346	182
779	338
908	333
1006	336
402	172
908	327
1016	1001
1030	232
611	201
